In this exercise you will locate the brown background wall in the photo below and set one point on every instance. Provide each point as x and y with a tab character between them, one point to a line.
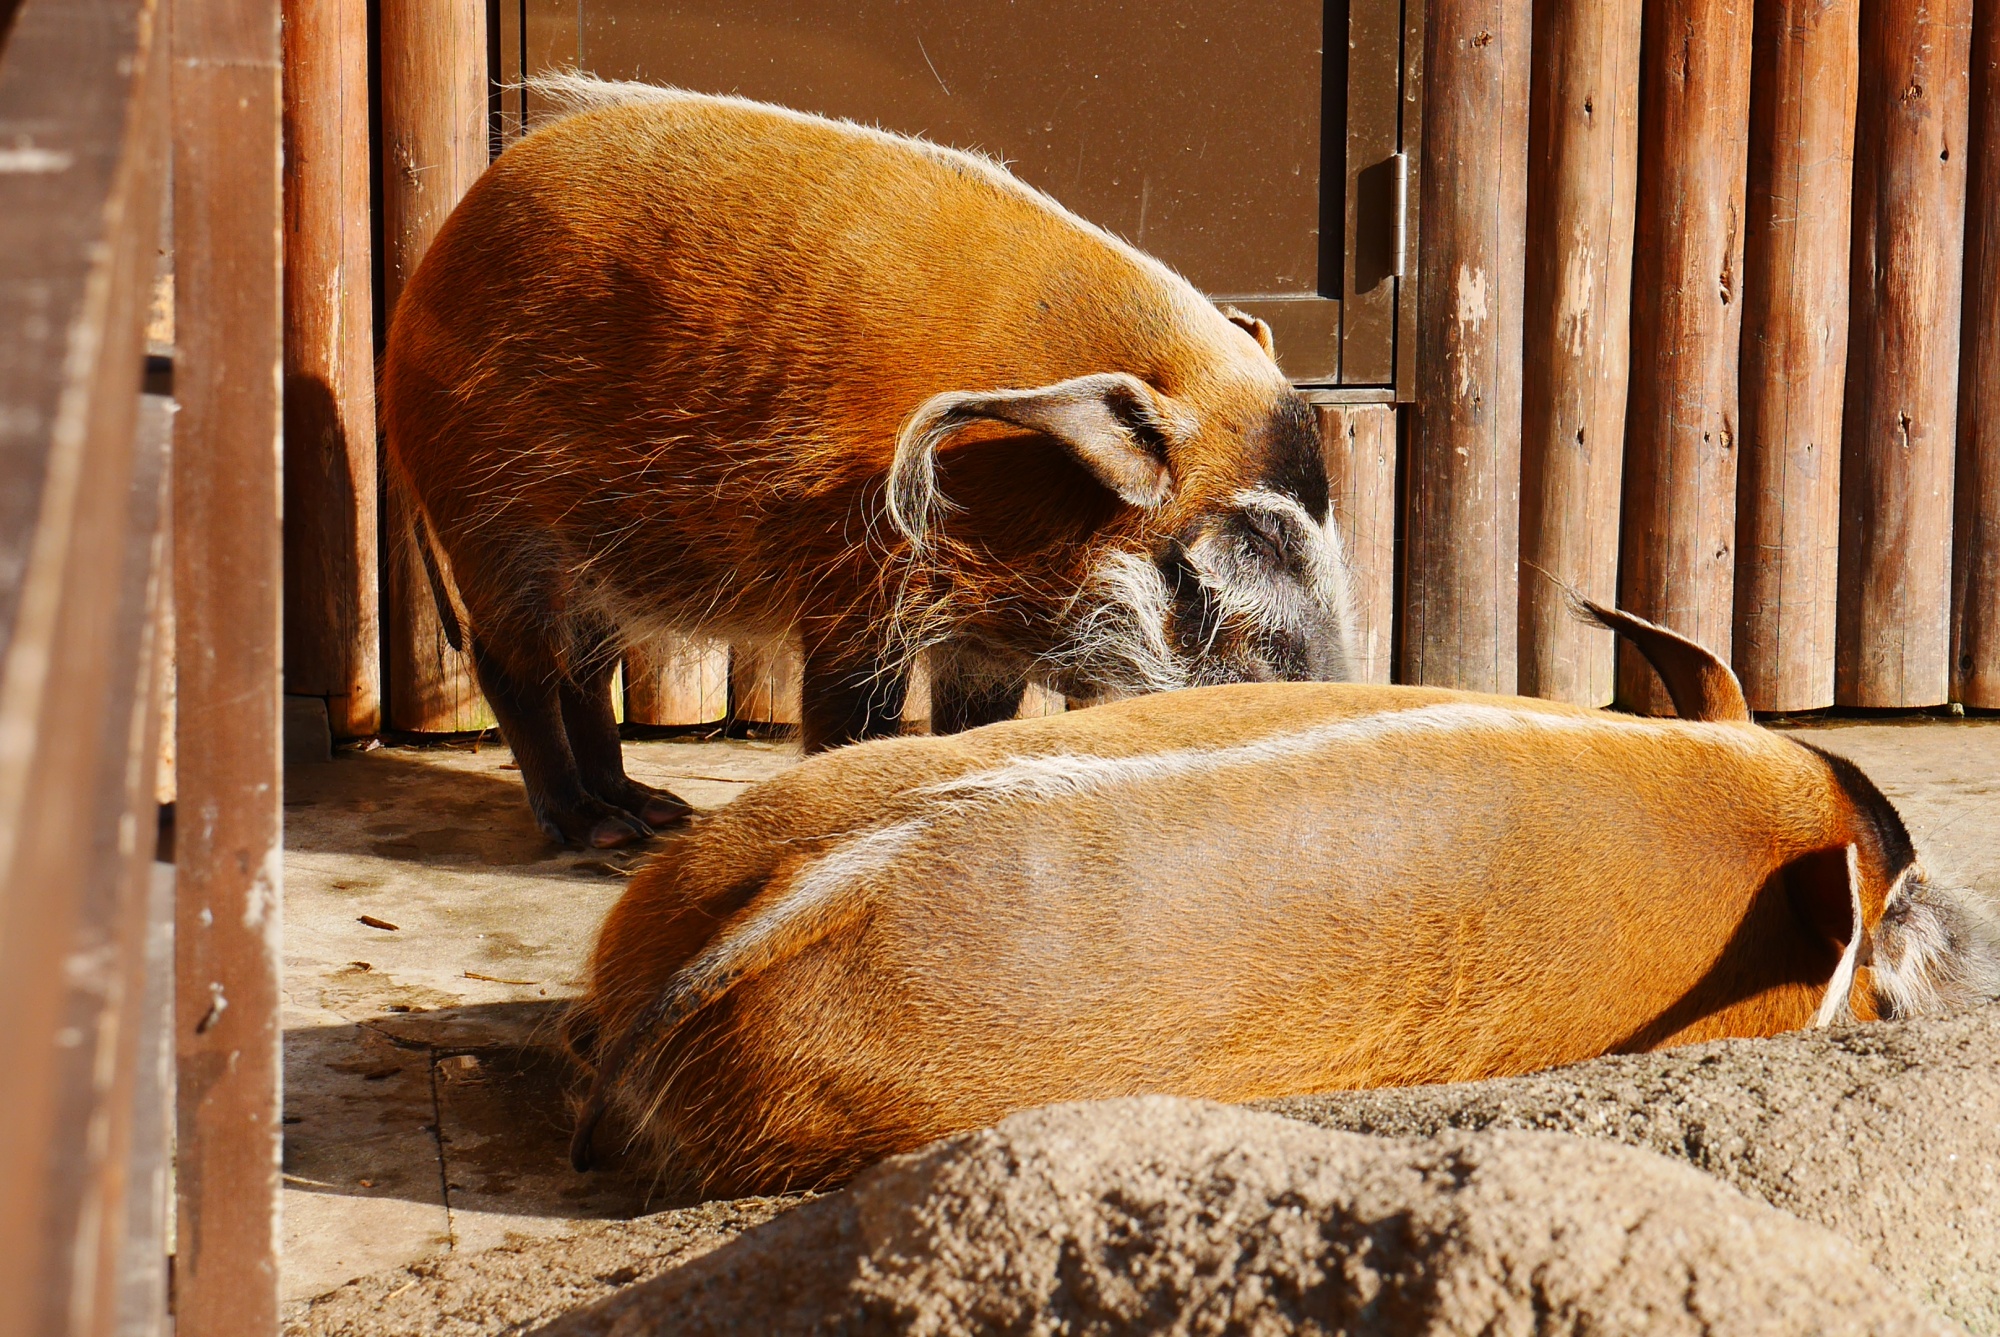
1692	315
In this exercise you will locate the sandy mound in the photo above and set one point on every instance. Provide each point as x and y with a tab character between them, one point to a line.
1164	1215
1888	1134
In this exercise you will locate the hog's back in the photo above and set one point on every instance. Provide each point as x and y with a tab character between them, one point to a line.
1414	907
712	299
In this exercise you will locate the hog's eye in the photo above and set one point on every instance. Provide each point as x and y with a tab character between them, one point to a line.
1266	536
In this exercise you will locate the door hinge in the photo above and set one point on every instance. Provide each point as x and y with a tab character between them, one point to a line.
1399	213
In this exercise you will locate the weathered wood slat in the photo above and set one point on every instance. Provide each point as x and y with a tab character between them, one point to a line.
677	680
1583	156
228	594
141	1269
1679	526
332	622
1036	702
110	1004
82	128
1794	362
1900	427
1367	265
434	146
764	685
1359	443
1976	529
1463	487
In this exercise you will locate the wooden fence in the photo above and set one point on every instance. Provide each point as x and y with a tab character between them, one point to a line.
141	997
1745	229
1701	328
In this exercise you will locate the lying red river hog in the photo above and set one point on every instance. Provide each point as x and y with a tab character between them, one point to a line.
699	364
1239	892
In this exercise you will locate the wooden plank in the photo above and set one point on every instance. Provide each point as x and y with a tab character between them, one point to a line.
509	41
1679	527
434	146
333	635
677	680
149	1208
228	592
81	119
109	1004
764	685
1359	444
1794	362
1036	703
1463	489
1412	129
1583	170
1976	530
552	39
1374	125
1901	420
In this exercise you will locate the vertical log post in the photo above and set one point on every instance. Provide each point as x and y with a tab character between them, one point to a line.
1359	442
1794	362
434	146
332	629
1900	429
1679	525
1976	531
1583	156
228	591
1463	536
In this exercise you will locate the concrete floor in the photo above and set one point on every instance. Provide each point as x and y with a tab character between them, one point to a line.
425	1108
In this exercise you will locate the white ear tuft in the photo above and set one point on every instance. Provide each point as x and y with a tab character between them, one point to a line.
1834	1007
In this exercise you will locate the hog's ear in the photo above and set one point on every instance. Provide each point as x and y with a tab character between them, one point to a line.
1825	891
1114	425
1253	327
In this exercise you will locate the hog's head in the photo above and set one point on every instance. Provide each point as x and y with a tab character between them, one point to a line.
1211	555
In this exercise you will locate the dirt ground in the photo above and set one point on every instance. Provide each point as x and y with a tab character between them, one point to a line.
432	935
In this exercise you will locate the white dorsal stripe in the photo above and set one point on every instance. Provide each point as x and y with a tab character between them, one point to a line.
1074	775
818	888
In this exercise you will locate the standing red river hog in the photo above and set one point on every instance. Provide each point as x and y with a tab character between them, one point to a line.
1239	892
699	364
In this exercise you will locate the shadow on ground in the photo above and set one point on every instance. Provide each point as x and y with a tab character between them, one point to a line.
463	1111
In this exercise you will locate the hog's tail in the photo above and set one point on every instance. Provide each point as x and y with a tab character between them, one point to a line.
1700	685
454	631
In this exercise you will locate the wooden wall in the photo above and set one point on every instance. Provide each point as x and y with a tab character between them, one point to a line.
1799	374
1701	326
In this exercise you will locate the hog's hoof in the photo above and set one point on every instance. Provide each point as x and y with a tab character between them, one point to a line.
651	808
658	808
612	832
592	823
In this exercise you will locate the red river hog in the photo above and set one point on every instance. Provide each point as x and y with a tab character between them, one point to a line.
697	364
1238	892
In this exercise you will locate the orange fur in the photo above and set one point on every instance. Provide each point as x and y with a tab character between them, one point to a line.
1232	892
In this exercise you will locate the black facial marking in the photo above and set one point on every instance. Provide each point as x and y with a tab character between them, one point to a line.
1293	463
1196	619
1898	850
1267	536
